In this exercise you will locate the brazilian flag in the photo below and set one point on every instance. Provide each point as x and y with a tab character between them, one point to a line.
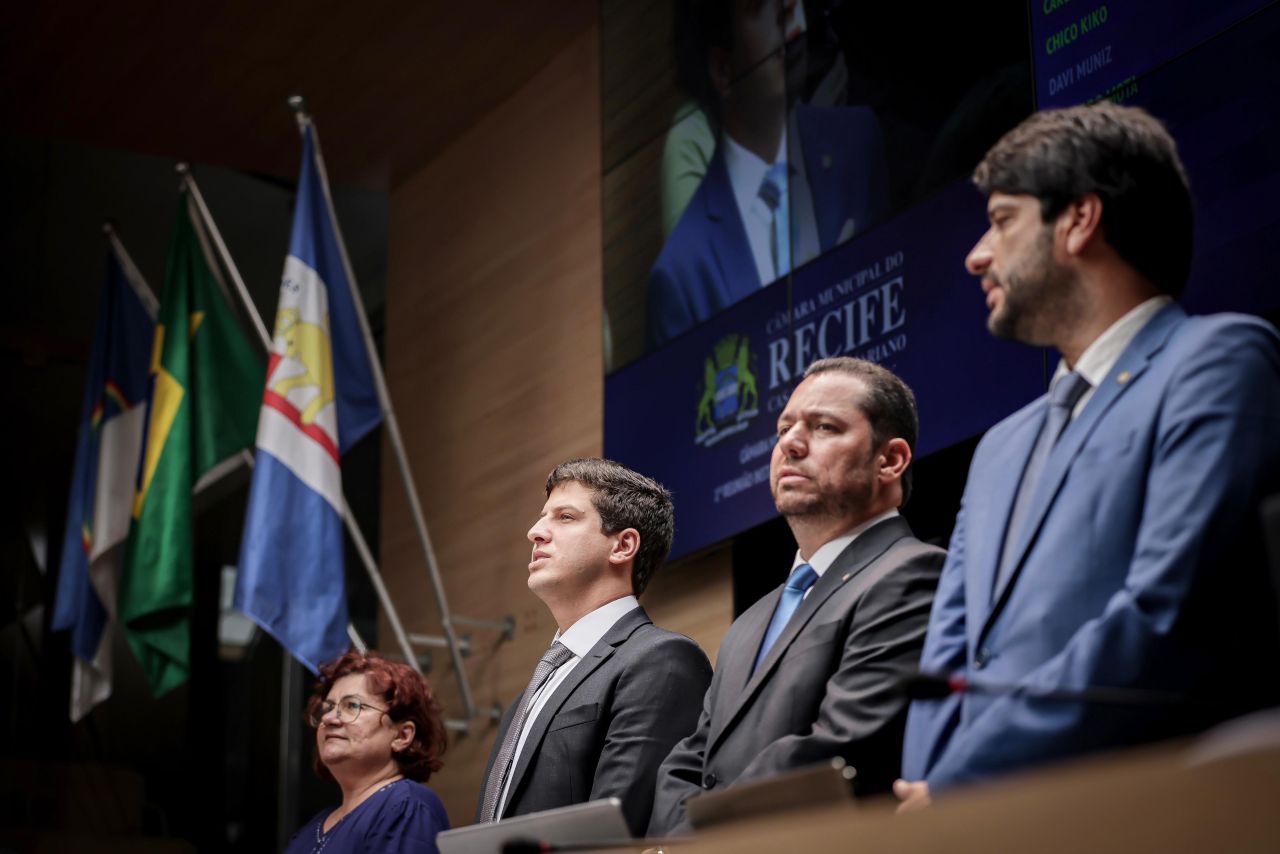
206	389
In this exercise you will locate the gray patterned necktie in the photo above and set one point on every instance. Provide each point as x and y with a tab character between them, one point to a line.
556	655
1064	395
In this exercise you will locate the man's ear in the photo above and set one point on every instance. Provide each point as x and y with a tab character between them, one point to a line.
1080	224
405	731
895	456
625	546
720	69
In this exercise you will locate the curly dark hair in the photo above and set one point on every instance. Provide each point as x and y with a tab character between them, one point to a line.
408	698
1125	156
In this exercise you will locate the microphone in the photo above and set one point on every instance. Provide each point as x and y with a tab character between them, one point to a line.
931	685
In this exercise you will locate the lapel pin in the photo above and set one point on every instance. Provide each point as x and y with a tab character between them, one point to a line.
845	577
1123	377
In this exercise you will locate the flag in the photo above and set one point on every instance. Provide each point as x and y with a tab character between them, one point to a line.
319	400
106	461
204	381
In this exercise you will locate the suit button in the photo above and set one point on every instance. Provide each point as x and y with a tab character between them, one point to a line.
982	659
709	781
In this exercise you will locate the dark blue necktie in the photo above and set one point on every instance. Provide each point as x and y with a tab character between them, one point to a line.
1064	395
802	578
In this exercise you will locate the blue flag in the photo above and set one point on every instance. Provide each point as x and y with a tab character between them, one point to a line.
112	418
320	400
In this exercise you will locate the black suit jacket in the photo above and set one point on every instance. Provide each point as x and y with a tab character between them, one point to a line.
827	688
609	725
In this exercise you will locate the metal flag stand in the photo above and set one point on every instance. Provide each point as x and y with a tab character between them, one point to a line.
458	647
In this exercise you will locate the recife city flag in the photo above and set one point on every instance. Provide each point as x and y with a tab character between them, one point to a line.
106	462
319	400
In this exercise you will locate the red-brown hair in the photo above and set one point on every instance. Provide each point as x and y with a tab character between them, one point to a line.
408	698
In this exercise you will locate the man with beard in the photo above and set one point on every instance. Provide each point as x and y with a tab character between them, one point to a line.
1108	543
811	671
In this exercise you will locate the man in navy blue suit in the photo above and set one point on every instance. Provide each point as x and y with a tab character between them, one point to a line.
1109	535
784	184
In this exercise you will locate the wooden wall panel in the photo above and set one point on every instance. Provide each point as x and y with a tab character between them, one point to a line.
695	597
494	361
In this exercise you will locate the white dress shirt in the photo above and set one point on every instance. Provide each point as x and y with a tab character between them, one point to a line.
1097	360
827	553
746	174
579	638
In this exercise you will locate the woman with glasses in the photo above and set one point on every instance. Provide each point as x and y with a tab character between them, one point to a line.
379	735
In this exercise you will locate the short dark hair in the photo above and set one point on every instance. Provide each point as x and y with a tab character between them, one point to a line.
625	499
408	697
888	404
1125	156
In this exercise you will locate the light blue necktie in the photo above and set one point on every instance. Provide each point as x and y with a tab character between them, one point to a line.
1064	395
773	190
802	578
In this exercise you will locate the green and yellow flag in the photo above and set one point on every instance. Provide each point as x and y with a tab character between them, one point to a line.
207	386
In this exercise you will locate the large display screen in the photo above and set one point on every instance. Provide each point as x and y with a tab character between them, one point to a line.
854	244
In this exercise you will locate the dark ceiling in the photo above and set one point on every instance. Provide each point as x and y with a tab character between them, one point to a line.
390	84
98	100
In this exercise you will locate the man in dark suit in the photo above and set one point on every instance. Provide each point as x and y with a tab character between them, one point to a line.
784	184
1109	535
614	692
811	671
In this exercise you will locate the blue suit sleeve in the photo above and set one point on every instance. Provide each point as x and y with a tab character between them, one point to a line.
669	312
931	722
1215	455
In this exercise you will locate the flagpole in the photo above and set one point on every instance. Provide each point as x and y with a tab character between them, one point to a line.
348	518
297	104
225	254
131	272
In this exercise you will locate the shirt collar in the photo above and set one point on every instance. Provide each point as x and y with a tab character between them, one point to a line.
746	170
1097	360
828	552
588	630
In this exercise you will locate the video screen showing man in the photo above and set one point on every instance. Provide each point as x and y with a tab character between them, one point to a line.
786	181
613	693
811	671
1108	546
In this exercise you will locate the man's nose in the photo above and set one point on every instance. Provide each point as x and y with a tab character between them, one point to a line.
538	533
979	257
792	441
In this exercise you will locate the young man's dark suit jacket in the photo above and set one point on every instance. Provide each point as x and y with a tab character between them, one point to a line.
827	688
609	725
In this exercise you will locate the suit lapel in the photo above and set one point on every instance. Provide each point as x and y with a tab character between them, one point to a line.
596	656
869	546
727	235
735	663
1008	461
820	153
1131	365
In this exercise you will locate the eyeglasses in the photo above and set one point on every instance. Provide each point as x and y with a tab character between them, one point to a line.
349	708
